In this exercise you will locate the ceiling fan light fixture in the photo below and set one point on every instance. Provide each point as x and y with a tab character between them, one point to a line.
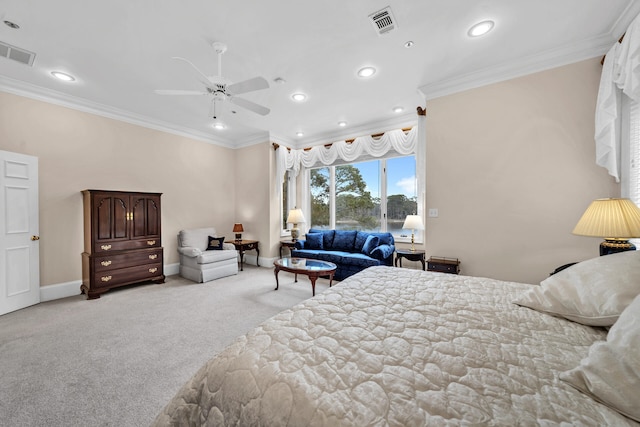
63	76
481	28
365	72
299	97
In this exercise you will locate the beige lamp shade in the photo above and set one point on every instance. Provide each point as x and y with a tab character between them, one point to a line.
413	222
295	217
610	218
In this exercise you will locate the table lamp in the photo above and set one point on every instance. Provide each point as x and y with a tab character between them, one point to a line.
237	228
615	220
295	217
413	222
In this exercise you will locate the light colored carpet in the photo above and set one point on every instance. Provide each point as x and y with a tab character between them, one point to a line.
117	360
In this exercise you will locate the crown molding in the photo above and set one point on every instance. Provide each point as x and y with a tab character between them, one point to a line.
38	93
563	55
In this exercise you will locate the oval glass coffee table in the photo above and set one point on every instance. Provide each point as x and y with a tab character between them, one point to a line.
312	268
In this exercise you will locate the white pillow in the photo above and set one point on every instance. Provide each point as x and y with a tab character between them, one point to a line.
611	371
592	292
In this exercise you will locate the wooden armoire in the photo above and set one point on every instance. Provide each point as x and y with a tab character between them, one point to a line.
122	240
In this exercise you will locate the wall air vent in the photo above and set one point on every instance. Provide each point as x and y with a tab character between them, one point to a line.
17	54
383	21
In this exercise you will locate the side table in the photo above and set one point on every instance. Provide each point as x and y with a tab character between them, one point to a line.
246	245
417	255
444	265
286	244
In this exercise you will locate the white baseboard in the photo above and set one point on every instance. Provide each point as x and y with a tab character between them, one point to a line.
60	290
70	289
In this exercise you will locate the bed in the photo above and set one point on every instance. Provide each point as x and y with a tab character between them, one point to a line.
402	347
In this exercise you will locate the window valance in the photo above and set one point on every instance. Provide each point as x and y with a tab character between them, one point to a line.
620	75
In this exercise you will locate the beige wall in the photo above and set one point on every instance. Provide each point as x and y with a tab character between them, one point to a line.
511	168
77	151
253	194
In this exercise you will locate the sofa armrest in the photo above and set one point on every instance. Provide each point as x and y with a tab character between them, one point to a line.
383	252
228	247
299	244
189	251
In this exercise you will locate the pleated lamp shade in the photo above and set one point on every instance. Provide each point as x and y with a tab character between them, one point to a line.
615	220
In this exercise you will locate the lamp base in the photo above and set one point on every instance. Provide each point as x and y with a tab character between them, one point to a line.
238	237
295	233
612	246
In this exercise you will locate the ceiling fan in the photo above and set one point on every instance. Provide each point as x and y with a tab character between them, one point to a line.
221	89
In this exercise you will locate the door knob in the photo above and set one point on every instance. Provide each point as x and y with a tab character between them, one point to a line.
35	238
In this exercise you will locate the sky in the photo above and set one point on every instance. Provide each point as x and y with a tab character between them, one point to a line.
400	175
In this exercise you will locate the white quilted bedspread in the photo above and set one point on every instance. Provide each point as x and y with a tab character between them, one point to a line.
399	347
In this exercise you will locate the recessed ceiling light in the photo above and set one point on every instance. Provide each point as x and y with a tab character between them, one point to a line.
366	72
480	29
12	25
409	44
219	125
342	123
63	76
299	97
299	134
398	109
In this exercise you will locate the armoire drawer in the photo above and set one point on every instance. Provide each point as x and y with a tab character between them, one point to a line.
128	259
128	275
125	245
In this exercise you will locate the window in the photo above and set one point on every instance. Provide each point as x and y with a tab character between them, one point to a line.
369	196
287	197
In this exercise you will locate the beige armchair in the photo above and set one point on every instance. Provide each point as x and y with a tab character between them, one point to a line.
202	265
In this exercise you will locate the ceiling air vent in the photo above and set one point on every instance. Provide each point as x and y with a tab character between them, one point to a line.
383	21
17	54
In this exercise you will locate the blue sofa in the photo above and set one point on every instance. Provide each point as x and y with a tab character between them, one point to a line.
351	251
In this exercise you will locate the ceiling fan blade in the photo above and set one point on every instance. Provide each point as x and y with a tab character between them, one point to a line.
250	85
180	92
250	105
194	67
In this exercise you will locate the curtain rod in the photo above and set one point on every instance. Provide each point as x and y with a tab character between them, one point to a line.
421	112
619	41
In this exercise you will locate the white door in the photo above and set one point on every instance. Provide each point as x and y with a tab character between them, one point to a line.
19	246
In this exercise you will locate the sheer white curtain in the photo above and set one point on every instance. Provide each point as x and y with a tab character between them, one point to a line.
620	77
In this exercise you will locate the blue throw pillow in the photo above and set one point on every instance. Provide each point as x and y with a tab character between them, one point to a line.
215	243
370	244
314	241
344	240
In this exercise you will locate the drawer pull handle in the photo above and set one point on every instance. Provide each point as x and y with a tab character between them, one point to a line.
105	247
154	256
151	242
105	278
106	263
153	270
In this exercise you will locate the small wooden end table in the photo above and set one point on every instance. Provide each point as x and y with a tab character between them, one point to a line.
286	244
312	268
416	255
246	245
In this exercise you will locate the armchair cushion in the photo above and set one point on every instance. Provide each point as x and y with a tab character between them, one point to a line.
215	243
196	238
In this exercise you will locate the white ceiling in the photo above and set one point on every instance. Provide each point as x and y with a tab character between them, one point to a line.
120	51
